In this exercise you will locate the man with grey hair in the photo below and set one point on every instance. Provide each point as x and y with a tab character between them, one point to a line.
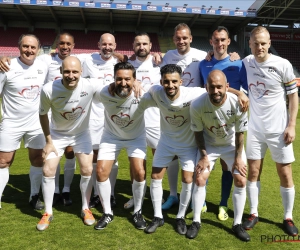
20	91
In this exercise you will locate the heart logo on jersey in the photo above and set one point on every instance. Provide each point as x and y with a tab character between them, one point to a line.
219	131
74	114
187	79
176	121
31	93
258	90
121	120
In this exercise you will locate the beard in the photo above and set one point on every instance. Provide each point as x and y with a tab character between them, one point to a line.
123	91
142	53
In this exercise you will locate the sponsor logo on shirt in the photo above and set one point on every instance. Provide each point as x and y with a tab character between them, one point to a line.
176	121
230	112
195	60
186	104
260	75
74	114
135	101
72	101
40	71
272	69
31	93
121	120
30	77
83	93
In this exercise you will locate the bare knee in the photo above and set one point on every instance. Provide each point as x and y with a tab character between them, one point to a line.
139	174
201	179
6	159
4	163
239	181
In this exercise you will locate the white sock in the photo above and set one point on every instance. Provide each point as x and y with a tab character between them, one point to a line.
288	197
156	196
69	170
172	172
185	196
4	177
86	186
198	197
48	186
35	175
104	191
57	174
239	200
94	179
113	177
138	194
253	189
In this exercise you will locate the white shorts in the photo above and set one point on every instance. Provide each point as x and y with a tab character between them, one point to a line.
226	153
96	130
152	136
111	146
11	140
257	144
164	154
81	143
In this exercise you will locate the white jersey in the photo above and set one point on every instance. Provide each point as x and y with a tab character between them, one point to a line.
189	64
70	108
268	84
54	63
218	124
118	114
175	115
20	90
148	74
95	67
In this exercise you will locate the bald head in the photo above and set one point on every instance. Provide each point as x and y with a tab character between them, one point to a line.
71	71
217	86
107	46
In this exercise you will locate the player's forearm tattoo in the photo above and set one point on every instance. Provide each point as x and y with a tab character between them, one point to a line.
239	143
200	143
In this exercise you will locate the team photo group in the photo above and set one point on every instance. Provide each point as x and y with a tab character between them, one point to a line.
189	106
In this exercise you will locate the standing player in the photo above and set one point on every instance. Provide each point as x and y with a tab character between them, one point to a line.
148	74
20	92
65	44
101	66
270	81
236	75
121	130
188	59
70	101
176	139
219	127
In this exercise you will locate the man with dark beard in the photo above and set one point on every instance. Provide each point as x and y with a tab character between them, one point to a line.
121	131
147	74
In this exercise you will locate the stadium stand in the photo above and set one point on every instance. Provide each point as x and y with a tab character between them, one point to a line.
288	50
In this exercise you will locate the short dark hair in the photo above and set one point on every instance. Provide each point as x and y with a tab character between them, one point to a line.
124	65
24	35
221	28
142	33
66	34
169	69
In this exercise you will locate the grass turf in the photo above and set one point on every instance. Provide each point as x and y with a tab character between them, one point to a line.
67	231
